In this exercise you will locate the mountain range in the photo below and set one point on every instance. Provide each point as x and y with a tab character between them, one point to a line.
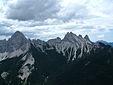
106	43
73	60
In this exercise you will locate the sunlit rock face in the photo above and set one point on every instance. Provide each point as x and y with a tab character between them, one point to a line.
72	44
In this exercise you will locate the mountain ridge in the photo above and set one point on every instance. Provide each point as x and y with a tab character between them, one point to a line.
106	43
73	60
19	42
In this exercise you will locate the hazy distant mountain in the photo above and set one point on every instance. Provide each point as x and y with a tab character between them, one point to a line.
106	43
73	60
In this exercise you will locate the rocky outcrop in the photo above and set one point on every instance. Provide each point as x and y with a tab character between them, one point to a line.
14	46
72	45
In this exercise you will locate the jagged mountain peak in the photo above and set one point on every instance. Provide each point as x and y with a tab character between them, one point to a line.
58	38
18	37
73	38
16	41
70	34
87	37
70	37
18	34
54	41
80	36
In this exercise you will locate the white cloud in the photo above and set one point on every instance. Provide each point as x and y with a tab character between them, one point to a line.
101	36
45	19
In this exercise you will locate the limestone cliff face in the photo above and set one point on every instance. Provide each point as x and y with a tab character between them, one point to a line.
71	44
17	41
14	46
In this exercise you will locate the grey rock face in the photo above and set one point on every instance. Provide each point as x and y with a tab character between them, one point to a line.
39	44
87	37
72	44
54	41
70	37
3	46
14	46
17	41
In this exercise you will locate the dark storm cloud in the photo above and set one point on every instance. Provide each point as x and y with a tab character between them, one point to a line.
33	9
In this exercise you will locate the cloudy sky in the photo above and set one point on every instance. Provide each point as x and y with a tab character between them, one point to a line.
46	19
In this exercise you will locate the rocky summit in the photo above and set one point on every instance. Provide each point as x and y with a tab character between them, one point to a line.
73	60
